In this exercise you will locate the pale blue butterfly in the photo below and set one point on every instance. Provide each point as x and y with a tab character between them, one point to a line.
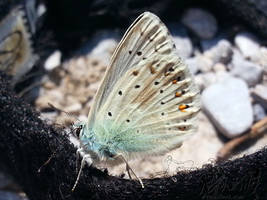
147	102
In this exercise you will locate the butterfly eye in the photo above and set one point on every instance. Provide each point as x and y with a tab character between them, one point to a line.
78	131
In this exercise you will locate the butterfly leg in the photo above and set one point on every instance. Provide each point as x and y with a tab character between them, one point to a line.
128	171
128	168
79	153
86	158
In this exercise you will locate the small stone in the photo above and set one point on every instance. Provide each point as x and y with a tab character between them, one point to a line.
260	95
192	65
101	46
73	108
181	40
248	45
228	105
200	22
219	67
259	112
206	79
222	75
248	71
210	43
199	82
209	78
41	9
221	52
49	85
53	61
10	196
237	56
106	46
199	62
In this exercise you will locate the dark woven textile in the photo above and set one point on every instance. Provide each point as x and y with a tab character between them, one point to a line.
26	143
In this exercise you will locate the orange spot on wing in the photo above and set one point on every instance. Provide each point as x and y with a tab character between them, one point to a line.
178	94
174	81
183	107
181	128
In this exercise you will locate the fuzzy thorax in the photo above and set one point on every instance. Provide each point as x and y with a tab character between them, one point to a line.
104	141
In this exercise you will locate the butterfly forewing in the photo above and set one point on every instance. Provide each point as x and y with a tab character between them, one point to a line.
141	39
147	102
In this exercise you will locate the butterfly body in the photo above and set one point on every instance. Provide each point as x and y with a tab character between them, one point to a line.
147	102
138	133
104	142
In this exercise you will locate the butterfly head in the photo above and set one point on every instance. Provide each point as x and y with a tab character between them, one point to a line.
91	144
78	129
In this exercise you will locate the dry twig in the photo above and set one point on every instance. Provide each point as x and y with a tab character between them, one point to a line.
257	130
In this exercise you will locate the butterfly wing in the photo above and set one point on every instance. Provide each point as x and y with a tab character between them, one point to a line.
127	54
147	102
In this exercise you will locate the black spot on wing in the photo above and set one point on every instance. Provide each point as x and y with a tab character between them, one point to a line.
139	53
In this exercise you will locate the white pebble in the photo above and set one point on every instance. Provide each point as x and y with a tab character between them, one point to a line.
259	93
248	45
201	22
53	61
228	105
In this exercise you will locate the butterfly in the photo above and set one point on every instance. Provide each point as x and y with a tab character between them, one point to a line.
146	104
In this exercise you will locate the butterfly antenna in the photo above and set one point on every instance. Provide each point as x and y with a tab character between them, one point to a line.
67	113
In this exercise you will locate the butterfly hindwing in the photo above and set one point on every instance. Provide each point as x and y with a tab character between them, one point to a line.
147	102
